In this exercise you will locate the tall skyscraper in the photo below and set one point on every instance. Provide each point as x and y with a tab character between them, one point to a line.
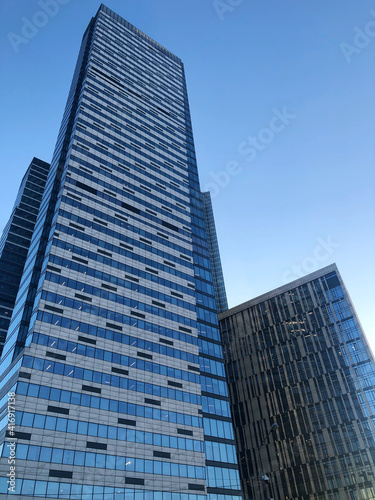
16	237
213	246
297	357
113	350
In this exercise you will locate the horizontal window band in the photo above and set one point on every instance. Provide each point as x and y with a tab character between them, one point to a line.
183	329
215	396
128	247
126	421
175	384
115	327
109	287
94	331
165	341
58	409
99	221
170	226
132	209
156	303
56	356
87	340
134	480
103	252
214	416
194	368
224	491
154	271
159	237
144	355
196	487
227	465
18	435
132	278
215	439
54	309
52	268
89	388
110	380
184	432
60	473
163	236
137	314
83	297
161	454
152	401
78	259
86	188
120	371
132	435
75	226
96	446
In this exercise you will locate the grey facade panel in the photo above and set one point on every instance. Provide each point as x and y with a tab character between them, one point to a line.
114	350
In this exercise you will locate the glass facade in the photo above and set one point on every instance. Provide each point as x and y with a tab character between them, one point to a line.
113	350
297	357
213	245
16	237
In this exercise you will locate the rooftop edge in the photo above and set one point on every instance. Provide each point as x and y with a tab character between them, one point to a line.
278	291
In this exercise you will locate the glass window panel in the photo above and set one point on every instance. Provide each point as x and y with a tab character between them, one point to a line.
40	488
166	468
90	459
101	460
53	489
45	454
72	426
57	456
50	423
79	458
61	424
68	457
76	490
28	487
33	453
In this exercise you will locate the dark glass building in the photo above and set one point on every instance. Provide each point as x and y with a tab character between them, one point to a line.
16	237
114	351
297	357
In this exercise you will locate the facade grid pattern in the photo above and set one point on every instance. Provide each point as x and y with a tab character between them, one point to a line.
297	357
114	350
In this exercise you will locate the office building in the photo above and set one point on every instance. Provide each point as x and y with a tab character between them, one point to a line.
213	246
113	349
16	237
297	357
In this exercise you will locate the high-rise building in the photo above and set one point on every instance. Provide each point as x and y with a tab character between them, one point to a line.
113	350
213	246
16	237
302	386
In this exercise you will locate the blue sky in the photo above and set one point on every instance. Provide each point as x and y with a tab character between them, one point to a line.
282	103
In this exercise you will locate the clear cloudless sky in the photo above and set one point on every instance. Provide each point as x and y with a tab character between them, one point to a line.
306	198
